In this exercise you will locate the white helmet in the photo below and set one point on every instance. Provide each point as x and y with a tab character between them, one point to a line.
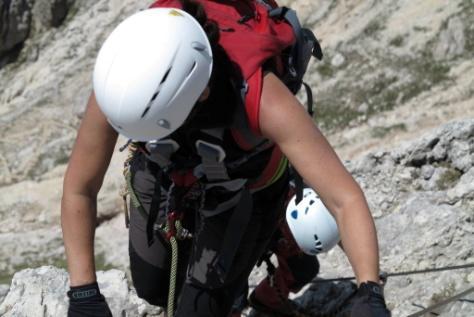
150	72
311	223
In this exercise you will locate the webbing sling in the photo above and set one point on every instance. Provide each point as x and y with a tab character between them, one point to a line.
160	151
233	235
212	161
155	203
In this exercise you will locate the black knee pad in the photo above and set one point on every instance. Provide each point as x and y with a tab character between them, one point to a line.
150	282
304	268
201	302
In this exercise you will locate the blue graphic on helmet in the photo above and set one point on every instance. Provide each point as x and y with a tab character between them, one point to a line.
294	214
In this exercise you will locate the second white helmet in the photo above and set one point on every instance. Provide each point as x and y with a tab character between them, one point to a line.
150	72
311	223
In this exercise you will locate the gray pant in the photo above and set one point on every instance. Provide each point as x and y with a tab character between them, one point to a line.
201	293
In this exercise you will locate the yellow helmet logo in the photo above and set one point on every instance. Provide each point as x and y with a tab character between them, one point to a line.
175	13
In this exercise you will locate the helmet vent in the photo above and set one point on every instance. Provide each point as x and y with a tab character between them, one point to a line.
148	107
164	77
192	68
183	82
156	93
318	244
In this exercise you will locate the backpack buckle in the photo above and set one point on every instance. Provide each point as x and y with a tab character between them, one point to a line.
212	157
160	151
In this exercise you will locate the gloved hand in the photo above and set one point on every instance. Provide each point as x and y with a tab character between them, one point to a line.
87	301
369	301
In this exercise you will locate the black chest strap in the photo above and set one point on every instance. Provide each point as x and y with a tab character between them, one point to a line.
234	232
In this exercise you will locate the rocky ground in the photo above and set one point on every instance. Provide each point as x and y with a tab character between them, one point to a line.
394	95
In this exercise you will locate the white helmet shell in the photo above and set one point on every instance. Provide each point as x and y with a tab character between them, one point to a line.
150	72
311	223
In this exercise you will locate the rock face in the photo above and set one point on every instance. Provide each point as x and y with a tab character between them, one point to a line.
42	292
19	17
15	19
440	161
50	13
422	198
393	95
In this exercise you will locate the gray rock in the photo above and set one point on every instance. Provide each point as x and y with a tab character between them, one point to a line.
42	292
427	171
18	18
39	292
451	143
363	107
464	189
424	233
47	111
462	154
15	19
3	291
439	152
417	154
50	13
451	41
338	60
436	178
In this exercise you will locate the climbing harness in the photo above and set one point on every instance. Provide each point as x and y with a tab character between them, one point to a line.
173	229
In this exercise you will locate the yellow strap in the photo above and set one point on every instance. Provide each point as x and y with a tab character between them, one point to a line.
282	165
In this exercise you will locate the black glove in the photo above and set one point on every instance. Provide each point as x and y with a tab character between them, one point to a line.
369	301
87	301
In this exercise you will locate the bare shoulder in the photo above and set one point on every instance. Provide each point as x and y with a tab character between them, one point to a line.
95	131
281	114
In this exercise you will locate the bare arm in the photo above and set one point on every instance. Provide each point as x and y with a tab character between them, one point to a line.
285	121
84	176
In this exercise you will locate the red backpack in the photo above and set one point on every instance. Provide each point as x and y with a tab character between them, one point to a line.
254	31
